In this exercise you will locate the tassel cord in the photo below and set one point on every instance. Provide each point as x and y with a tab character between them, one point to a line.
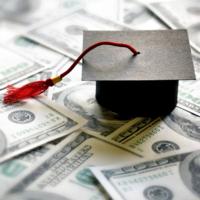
133	50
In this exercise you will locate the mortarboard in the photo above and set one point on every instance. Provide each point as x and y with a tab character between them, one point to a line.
143	85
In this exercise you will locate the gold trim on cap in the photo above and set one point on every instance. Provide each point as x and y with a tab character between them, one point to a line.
56	79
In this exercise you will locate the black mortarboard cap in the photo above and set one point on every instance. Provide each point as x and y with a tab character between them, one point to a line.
142	85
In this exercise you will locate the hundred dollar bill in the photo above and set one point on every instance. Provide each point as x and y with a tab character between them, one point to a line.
15	68
159	136
31	123
65	34
143	136
12	170
79	97
65	173
172	177
36	52
138	16
181	14
149	138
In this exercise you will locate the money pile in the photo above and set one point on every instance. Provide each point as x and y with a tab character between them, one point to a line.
63	145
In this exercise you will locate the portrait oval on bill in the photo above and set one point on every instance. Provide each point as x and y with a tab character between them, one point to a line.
190	172
184	123
80	98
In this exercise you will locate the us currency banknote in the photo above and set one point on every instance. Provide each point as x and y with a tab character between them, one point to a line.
36	52
138	16
181	14
65	34
31	123
172	177
15	69
142	136
12	170
67	167
150	137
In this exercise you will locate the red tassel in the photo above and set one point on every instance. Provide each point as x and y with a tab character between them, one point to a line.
29	90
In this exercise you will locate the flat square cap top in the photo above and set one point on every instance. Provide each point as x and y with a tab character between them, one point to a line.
165	55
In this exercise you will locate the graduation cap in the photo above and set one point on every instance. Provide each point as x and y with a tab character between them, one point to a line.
142	85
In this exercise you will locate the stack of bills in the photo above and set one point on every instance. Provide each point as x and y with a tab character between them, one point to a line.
63	145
